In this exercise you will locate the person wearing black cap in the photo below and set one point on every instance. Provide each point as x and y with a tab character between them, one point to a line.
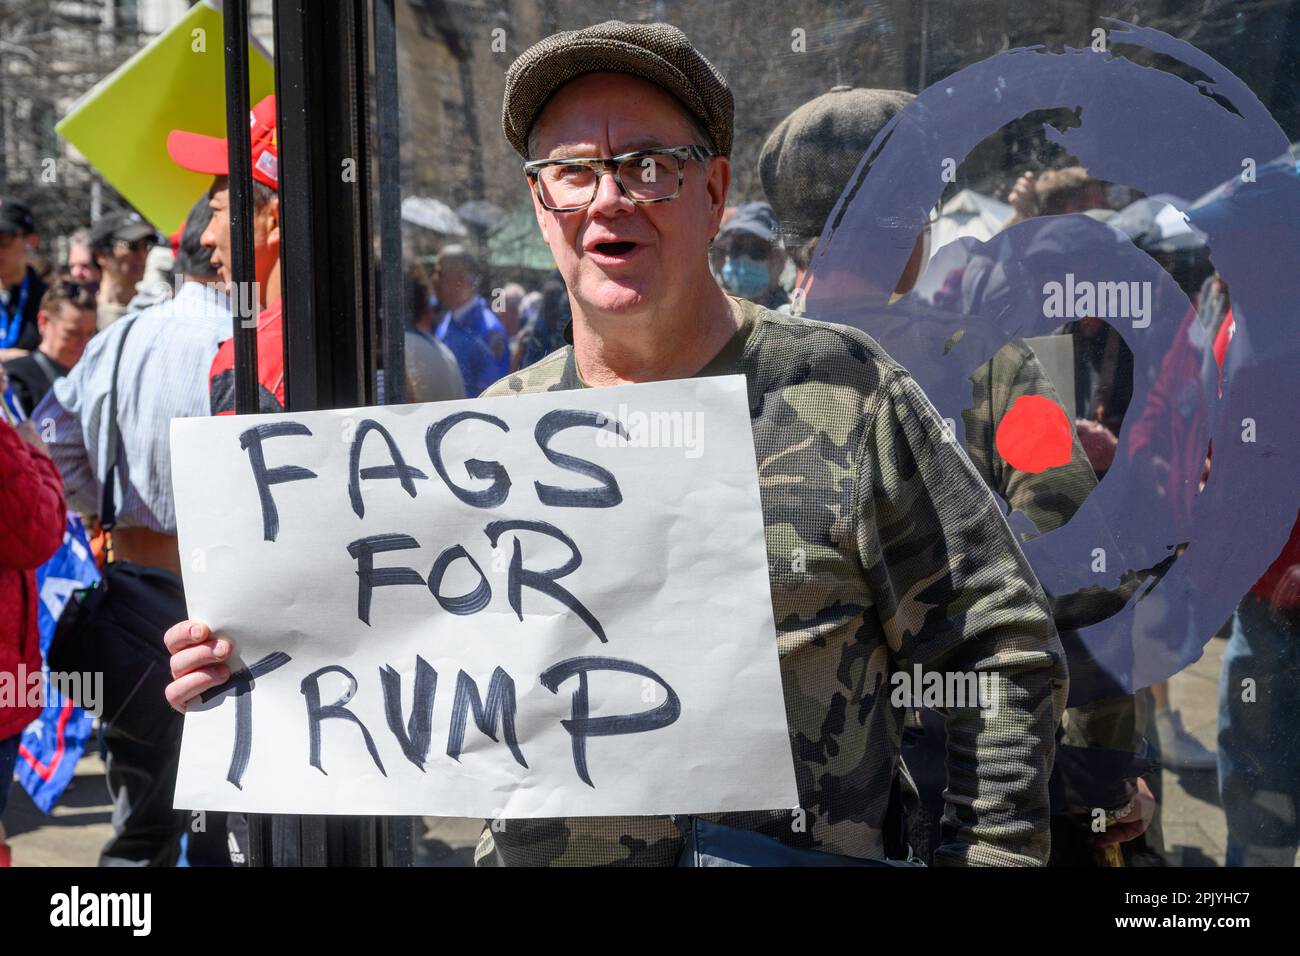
120	242
884	548
747	256
21	288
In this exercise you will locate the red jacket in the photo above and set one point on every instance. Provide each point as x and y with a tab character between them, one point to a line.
270	367
32	521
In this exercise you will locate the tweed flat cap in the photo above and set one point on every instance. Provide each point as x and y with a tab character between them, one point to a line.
656	52
808	159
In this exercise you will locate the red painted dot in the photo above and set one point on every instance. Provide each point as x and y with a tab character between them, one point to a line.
1035	434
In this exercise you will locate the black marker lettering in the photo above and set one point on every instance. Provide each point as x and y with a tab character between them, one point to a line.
543	581
475	600
500	703
369	578
417	735
489	497
241	684
251	441
317	713
581	726
551	424
399	469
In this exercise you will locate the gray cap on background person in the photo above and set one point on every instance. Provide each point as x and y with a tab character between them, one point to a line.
810	156
120	227
755	218
15	217
656	52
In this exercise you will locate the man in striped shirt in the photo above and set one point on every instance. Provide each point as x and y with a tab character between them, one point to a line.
163	374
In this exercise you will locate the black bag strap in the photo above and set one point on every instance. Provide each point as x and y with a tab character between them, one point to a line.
48	369
107	504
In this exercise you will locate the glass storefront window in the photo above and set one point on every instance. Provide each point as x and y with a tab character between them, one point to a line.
1082	203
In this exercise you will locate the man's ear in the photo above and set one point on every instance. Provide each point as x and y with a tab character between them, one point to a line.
42	320
270	216
718	183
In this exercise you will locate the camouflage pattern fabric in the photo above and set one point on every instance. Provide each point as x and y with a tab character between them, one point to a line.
885	549
1049	499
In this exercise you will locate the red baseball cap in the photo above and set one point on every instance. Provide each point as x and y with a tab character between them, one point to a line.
210	154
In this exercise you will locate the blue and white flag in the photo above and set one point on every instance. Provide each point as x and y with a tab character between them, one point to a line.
53	743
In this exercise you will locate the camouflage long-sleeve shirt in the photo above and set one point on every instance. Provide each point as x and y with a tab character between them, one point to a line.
885	550
1049	499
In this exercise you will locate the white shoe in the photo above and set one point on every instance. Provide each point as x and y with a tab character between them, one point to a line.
1179	749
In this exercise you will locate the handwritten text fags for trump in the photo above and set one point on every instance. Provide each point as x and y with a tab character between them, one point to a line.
541	605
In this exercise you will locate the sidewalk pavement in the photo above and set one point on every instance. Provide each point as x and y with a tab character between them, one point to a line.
1194	830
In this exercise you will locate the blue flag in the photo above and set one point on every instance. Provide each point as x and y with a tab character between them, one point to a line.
53	743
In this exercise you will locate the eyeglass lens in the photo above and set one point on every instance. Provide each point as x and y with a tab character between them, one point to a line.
644	178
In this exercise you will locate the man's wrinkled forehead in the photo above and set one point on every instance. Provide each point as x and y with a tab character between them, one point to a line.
614	111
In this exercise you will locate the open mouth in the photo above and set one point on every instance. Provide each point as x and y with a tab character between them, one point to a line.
614	248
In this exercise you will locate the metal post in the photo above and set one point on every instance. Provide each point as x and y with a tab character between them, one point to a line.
396	837
243	296
389	168
329	282
325	240
238	137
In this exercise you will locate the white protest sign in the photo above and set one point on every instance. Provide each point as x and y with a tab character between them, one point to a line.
532	606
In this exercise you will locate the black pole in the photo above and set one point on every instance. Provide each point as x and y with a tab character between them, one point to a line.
326	258
329	281
392	284
244	301
298	243
243	292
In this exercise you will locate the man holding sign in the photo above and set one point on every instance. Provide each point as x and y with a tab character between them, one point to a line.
883	549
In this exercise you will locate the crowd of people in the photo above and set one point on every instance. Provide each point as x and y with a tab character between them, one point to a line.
650	284
65	351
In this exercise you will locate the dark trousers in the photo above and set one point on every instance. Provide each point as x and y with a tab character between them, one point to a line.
146	830
141	784
216	839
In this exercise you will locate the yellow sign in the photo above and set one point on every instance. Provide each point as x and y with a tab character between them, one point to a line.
178	81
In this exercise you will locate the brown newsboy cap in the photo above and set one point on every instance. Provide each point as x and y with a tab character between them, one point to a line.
810	156
656	52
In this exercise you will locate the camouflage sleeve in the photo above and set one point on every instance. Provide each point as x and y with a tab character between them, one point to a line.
1048	498
955	595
